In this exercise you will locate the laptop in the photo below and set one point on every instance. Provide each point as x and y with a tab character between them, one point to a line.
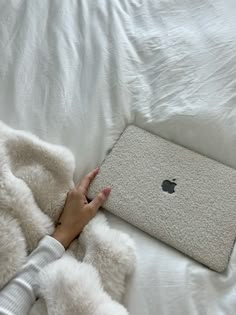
180	197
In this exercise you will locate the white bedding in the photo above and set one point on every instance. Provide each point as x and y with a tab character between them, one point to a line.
76	72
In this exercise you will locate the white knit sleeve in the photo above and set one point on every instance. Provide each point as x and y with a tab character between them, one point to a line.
19	294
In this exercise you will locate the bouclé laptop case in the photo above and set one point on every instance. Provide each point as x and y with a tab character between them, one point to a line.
176	195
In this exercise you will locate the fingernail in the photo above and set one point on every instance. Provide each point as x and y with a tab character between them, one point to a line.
106	191
97	170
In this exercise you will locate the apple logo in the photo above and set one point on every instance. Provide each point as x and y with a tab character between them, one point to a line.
168	186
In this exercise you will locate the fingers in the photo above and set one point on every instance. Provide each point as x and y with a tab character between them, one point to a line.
86	181
97	202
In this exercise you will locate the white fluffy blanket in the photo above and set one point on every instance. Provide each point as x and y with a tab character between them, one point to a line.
34	179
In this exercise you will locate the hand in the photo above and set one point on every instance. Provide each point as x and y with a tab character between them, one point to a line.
77	211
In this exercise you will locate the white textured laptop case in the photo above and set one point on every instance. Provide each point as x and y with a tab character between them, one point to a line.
178	196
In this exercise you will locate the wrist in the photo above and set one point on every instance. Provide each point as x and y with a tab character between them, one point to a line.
63	237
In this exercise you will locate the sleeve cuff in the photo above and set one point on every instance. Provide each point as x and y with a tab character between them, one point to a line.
48	250
56	248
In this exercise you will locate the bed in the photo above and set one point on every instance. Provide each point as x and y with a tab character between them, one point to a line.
77	72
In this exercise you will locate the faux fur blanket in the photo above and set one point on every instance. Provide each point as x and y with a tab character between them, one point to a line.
34	179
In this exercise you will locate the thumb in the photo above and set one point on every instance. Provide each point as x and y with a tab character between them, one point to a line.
101	197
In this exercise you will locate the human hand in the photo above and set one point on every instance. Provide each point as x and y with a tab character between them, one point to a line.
77	211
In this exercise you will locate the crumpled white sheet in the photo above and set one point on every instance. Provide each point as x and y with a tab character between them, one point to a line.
76	72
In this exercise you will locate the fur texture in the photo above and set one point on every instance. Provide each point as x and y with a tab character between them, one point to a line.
12	247
34	180
77	293
39	308
111	252
111	256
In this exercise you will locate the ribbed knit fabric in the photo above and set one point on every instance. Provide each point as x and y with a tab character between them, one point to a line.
17	297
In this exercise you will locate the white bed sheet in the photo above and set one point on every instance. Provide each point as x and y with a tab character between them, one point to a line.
76	72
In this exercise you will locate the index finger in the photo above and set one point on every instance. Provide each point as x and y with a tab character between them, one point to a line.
86	181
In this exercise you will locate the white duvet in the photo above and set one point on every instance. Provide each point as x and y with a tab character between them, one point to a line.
76	72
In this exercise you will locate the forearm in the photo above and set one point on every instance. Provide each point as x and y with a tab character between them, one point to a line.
19	294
